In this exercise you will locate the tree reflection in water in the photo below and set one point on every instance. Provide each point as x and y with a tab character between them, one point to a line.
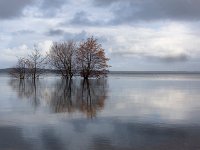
28	89
85	96
61	97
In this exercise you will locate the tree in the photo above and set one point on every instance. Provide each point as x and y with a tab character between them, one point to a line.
19	71
35	63
91	58
62	57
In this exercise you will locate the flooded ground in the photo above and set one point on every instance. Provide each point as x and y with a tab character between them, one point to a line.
122	112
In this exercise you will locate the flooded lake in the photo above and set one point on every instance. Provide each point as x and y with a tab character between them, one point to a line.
122	112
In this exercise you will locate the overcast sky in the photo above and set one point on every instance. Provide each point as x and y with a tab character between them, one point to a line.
136	34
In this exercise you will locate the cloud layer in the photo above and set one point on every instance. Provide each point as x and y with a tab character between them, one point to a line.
12	8
136	34
137	10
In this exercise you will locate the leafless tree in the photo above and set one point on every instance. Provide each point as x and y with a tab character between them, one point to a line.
91	59
62	57
35	64
19	71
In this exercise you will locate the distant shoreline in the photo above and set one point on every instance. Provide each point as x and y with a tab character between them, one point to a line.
7	70
154	72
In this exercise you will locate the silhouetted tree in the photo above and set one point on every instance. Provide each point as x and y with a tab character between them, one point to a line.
20	69
62	57
35	63
91	59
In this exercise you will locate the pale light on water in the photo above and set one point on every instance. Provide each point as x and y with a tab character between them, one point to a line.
120	112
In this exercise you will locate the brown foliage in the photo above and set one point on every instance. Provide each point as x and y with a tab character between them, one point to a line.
91	58
69	58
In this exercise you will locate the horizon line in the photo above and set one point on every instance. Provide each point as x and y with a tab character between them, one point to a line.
181	71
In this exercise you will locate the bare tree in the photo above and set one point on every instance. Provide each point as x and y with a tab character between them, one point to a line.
62	57
36	64
19	71
91	59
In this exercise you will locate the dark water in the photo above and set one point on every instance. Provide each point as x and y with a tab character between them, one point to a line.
122	112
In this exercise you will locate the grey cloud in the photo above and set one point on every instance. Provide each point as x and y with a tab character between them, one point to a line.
104	2
81	18
20	32
53	3
55	32
170	58
75	36
12	8
84	35
50	7
126	11
67	35
126	53
166	58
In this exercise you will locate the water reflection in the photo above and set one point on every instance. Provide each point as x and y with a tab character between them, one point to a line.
28	89
100	135
140	113
87	97
14	135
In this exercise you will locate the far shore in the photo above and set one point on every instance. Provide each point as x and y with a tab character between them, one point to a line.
7	70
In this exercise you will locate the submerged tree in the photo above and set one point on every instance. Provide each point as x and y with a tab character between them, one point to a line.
69	58
19	71
35	63
62	57
91	59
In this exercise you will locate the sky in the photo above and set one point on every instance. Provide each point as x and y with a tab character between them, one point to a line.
137	35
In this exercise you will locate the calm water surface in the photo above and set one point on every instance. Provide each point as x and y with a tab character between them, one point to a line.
122	112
